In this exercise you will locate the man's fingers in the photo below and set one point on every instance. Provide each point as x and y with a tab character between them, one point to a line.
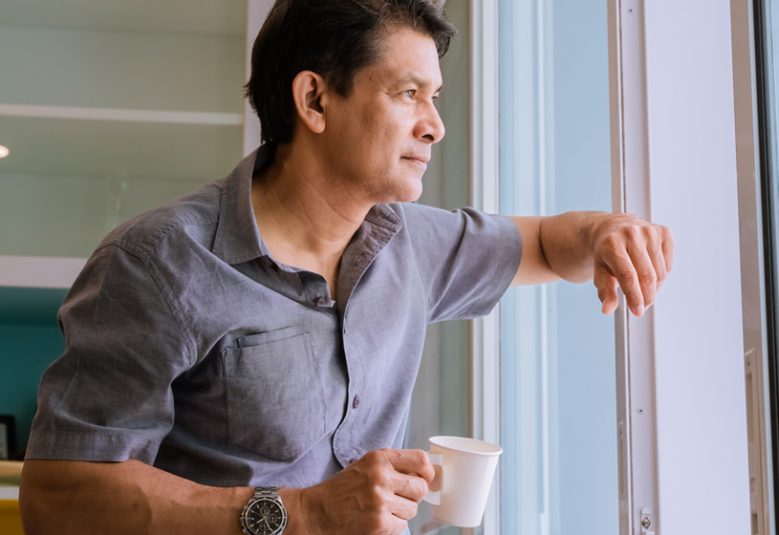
667	247
410	486
639	255
412	462
658	261
646	274
606	284
627	277
403	508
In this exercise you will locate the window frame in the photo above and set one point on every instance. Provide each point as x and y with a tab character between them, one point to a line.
645	353
484	391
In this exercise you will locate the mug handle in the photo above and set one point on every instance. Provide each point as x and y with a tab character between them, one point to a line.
434	496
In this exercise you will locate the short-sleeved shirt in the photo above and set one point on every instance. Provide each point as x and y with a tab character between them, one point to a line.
188	347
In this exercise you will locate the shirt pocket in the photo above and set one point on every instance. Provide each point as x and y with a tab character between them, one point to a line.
275	397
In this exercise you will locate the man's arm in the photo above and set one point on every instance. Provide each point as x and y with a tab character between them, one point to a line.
609	249
67	497
376	494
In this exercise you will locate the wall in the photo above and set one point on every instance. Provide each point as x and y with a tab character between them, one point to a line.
29	341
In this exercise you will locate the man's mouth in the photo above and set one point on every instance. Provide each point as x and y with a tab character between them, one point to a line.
419	160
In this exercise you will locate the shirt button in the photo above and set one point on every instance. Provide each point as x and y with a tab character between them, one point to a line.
356	402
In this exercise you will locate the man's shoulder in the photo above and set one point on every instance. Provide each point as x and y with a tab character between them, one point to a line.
406	211
415	214
192	217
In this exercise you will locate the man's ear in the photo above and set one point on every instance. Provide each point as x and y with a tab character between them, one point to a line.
309	92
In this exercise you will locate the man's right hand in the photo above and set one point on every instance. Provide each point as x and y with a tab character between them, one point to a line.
376	495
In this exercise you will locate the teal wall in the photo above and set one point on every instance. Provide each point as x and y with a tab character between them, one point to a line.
29	341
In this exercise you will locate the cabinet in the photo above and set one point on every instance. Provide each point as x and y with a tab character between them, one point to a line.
107	109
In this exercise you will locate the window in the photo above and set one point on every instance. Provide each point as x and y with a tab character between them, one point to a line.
681	384
558	397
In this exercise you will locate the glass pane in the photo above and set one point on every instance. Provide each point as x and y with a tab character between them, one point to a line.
558	393
108	109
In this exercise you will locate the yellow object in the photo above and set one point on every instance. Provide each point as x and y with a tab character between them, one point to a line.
10	518
10	473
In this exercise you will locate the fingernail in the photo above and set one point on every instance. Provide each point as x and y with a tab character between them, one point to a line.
640	310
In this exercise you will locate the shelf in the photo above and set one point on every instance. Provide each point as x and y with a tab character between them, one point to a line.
121	115
119	143
39	271
33	288
123	70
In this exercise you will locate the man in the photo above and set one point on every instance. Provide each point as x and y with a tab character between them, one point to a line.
266	330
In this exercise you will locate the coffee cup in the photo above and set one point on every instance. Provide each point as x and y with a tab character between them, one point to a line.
464	469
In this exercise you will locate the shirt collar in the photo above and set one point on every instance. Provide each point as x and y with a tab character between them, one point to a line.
238	238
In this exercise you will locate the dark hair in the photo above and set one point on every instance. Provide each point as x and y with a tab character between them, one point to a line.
335	39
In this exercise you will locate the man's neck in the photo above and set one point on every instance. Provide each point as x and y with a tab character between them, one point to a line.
306	220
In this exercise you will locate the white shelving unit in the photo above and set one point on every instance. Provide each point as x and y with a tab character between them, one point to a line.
108	109
39	271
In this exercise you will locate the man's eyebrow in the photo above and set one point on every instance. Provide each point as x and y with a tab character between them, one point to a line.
416	80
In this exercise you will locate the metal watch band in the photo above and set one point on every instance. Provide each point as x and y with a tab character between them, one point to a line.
267	492
250	524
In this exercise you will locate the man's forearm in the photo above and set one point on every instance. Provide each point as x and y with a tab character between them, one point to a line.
556	247
566	241
131	497
613	250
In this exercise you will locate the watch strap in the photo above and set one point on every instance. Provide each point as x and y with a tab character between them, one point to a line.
265	493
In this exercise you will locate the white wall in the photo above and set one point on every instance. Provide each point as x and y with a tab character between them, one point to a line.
702	446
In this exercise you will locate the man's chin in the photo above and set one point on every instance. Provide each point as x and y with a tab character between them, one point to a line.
411	194
407	190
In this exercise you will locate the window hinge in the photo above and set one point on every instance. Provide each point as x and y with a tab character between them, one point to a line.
647	522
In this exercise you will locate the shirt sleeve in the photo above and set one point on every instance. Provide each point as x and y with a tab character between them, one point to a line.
466	258
108	397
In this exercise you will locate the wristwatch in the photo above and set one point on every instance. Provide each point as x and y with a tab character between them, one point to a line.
264	514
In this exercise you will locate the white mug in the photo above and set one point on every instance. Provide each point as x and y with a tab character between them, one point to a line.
464	471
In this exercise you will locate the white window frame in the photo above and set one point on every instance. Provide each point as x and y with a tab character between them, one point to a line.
681	366
635	359
751	238
485	179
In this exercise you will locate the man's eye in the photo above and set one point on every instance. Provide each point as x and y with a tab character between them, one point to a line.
410	93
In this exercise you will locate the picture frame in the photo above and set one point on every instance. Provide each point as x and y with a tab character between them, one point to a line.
7	437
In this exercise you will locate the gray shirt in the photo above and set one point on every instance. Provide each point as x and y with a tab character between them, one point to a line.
190	348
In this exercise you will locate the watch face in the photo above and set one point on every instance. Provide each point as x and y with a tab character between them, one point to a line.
264	516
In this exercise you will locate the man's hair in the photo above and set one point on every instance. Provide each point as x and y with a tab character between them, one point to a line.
335	39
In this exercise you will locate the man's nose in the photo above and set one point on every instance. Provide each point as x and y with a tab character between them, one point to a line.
430	127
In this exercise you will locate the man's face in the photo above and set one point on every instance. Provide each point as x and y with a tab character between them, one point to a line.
379	138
